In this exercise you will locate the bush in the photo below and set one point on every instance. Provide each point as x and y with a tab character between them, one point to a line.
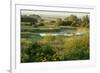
77	48
56	48
38	53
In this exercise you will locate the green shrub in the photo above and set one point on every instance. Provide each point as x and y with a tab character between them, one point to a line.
38	53
56	48
77	48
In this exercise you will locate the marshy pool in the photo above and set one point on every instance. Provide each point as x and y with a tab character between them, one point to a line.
52	32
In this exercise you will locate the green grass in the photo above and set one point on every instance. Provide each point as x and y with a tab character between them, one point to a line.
33	38
50	48
35	48
45	29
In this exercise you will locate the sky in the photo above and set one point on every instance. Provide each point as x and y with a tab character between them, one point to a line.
53	13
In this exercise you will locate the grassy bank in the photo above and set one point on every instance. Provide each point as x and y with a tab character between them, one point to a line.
54	48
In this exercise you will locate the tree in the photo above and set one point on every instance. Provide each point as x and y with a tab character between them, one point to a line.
32	19
71	20
52	22
35	16
59	21
85	21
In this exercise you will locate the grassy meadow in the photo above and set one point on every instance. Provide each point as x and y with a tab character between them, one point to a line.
71	41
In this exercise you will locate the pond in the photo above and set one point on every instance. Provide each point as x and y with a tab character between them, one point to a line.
53	31
63	32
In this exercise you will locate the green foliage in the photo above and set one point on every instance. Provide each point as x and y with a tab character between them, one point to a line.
37	53
78	48
85	21
25	44
32	19
35	48
59	21
56	48
71	20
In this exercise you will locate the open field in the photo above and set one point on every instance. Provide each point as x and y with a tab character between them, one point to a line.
36	48
54	37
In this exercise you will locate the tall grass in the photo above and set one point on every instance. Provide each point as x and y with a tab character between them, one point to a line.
55	48
77	48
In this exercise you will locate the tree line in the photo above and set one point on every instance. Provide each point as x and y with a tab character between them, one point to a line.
72	20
